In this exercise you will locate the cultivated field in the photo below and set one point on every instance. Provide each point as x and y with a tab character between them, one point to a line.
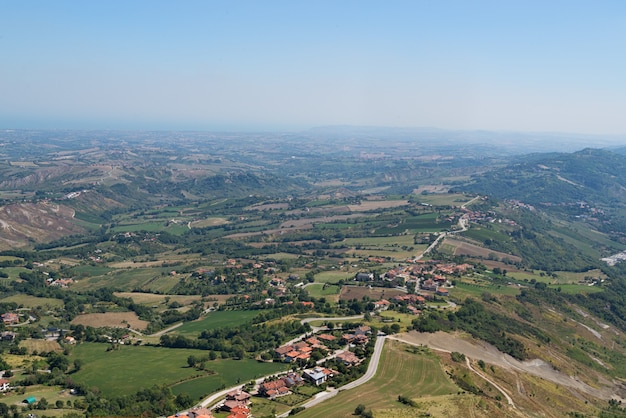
125	370
208	222
333	276
154	299
111	319
28	301
368	205
40	346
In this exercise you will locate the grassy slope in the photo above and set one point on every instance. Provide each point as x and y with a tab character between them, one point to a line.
400	373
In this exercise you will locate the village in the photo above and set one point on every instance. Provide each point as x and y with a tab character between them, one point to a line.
337	350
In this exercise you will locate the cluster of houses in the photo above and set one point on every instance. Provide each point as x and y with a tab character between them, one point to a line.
429	276
282	386
302	350
237	404
358	337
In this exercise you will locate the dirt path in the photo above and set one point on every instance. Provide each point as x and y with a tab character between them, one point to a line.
166	330
479	350
469	366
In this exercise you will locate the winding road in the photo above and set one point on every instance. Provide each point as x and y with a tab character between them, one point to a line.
369	374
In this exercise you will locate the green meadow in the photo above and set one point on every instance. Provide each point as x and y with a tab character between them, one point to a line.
130	368
218	319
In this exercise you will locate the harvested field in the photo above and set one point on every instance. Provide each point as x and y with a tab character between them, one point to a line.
151	298
472	250
374	293
139	264
208	222
366	206
111	319
309	222
40	346
268	206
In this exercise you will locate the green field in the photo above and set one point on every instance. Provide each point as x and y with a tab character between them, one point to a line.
392	317
50	393
333	276
33	302
317	290
219	319
444	199
400	372
124	371
124	279
13	272
463	290
153	226
576	288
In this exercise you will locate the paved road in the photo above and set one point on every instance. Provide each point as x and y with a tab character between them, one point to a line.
463	224
216	396
369	374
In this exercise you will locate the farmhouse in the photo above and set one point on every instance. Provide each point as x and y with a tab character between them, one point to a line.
239	396
381	305
349	358
441	291
364	277
10	318
317	375
7	336
239	412
4	385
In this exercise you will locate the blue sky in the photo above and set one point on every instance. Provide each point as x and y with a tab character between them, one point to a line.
246	65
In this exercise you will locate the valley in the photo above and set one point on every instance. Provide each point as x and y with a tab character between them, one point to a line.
142	272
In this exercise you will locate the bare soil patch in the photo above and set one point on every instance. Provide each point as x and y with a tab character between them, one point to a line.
111	319
479	350
374	293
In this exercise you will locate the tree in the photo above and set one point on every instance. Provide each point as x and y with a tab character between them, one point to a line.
192	361
58	361
78	363
360	408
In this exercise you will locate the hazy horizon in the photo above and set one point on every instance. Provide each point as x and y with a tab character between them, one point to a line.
241	66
